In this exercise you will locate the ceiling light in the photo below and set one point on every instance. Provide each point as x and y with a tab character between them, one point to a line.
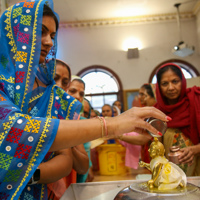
131	43
183	50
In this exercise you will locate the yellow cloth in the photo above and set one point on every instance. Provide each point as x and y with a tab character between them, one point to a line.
170	175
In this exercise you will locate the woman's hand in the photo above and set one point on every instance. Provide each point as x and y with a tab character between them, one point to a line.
80	159
91	129
133	120
187	156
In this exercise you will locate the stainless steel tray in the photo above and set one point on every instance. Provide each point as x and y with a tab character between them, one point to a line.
140	190
110	189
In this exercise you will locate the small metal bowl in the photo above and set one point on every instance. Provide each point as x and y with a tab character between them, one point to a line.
158	124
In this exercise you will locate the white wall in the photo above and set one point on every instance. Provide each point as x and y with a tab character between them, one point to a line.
102	45
193	81
198	28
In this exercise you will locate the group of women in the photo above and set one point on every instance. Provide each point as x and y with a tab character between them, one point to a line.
37	118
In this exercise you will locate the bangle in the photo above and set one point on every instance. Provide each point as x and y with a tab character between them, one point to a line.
105	126
101	120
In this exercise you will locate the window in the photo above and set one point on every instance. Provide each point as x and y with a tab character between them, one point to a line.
188	70
102	86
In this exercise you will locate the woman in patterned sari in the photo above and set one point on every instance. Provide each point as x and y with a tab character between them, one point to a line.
33	108
182	105
30	90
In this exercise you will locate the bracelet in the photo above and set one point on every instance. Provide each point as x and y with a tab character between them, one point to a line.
101	120
105	126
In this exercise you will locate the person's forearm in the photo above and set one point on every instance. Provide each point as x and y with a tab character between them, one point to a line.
56	168
83	131
135	139
80	159
73	132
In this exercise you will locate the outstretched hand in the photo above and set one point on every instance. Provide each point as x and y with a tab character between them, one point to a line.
133	120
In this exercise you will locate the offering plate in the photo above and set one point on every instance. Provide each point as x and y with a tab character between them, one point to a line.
140	190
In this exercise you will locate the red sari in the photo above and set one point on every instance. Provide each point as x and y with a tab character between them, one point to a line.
186	113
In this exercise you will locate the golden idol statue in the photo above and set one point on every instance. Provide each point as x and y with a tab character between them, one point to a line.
165	175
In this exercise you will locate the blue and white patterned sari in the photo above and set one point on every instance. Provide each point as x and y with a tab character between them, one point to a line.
28	119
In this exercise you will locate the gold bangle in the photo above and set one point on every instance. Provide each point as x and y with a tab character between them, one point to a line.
102	124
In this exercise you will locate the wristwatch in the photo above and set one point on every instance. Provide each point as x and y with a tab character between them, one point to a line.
35	178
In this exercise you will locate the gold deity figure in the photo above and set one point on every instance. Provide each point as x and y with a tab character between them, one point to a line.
165	175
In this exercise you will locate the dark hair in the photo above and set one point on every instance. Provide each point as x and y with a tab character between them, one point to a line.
90	107
144	85
116	101
96	112
120	103
65	65
48	12
88	102
79	80
148	89
175	69
107	105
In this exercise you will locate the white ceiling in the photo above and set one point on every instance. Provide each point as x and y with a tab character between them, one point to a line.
79	10
80	13
76	10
